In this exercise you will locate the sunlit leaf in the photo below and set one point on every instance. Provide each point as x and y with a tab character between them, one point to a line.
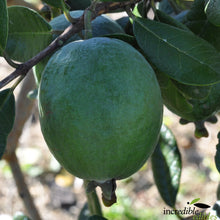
178	53
29	33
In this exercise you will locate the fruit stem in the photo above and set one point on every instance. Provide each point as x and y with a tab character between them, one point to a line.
93	201
88	24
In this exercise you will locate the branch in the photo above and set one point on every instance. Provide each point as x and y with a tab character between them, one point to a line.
22	188
78	25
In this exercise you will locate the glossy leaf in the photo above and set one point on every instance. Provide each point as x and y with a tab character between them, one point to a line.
178	53
3	25
29	33
7	115
217	155
55	3
166	165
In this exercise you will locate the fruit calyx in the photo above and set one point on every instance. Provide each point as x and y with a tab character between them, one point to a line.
108	190
200	129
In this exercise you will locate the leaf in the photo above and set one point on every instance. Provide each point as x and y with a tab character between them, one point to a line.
165	18
29	33
217	155
55	3
196	21
166	165
195	92
3	25
212	10
178	53
194	201
172	97
7	116
124	37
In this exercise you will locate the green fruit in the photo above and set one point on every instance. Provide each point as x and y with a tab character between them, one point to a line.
102	25
100	108
192	103
78	4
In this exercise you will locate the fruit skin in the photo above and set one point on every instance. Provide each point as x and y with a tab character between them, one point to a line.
102	25
100	108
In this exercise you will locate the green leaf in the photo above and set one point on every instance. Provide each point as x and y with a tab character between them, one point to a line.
3	25
165	18
124	37
55	3
196	21
212	10
172	96
195	92
96	217
194	201
29	33
166	165
7	115
217	155
178	53
197	11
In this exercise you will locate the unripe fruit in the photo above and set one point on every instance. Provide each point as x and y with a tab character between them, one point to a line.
100	108
102	25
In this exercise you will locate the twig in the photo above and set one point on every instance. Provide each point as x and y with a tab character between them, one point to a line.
78	25
24	108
